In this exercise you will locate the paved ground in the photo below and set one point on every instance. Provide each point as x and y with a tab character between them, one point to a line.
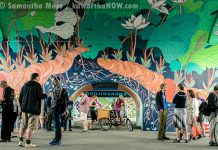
115	139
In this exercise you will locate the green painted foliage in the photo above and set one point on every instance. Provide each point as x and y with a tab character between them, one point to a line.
214	33
4	23
175	65
193	67
101	31
173	13
193	5
190	6
207	20
13	37
154	18
206	57
45	17
1	37
29	18
147	32
173	37
197	42
39	17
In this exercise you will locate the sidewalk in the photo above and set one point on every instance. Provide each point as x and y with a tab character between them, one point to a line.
115	139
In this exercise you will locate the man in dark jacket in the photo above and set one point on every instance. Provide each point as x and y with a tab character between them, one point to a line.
59	95
7	112
213	105
163	110
30	101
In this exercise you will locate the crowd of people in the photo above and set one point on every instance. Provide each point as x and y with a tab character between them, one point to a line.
31	104
188	120
32	109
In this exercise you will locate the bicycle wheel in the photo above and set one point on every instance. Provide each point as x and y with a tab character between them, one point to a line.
104	124
129	124
216	132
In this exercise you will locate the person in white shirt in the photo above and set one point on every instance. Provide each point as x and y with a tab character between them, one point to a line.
192	115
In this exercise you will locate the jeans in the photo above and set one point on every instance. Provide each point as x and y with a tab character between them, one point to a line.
56	116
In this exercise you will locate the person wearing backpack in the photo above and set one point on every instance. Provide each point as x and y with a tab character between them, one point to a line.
58	107
213	105
7	112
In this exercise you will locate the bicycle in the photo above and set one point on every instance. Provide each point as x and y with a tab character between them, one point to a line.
106	123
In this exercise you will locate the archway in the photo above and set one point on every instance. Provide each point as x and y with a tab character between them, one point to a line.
118	87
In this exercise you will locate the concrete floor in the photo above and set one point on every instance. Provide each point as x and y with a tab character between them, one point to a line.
115	139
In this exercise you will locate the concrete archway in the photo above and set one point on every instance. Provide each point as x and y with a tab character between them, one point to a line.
139	112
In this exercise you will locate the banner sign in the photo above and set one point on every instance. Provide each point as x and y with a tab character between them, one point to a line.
107	93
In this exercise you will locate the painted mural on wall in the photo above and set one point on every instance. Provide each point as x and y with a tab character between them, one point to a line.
171	41
106	103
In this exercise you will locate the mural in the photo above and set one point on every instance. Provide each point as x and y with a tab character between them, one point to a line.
139	44
105	103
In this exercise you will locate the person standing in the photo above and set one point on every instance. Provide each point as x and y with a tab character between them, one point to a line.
84	109
92	106
30	99
163	111
192	115
213	105
7	112
118	107
180	113
59	98
201	116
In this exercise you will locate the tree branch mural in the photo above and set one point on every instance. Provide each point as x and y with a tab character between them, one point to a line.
6	62
30	52
59	65
210	79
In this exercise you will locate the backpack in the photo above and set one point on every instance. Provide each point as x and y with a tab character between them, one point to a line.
62	103
204	109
